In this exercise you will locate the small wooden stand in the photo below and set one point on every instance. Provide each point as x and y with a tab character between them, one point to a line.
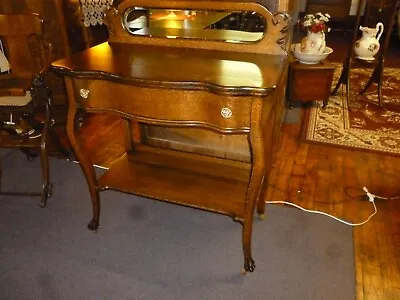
310	82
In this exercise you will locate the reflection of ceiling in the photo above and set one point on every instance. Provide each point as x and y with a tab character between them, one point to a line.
178	15
228	26
240	73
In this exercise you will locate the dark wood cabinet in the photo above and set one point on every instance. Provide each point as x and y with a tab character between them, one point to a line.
338	9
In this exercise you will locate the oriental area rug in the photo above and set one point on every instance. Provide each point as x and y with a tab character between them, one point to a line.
366	126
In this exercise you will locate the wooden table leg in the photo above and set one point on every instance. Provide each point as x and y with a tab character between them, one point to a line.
86	165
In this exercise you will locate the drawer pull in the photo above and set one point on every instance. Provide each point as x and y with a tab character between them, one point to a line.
84	93
226	113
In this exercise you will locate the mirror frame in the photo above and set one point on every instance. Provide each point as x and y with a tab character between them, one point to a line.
275	39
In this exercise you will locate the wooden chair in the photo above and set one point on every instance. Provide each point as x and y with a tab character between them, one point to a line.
25	116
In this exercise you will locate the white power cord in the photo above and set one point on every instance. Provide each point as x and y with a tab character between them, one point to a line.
378	197
371	198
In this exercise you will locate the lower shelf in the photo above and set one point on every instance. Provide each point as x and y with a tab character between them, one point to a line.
206	183
14	141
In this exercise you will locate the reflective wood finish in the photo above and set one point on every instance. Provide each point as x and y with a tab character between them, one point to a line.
329	179
180	83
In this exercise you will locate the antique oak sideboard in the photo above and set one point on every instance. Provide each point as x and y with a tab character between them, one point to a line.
225	81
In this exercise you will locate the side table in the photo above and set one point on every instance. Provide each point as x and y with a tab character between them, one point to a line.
309	82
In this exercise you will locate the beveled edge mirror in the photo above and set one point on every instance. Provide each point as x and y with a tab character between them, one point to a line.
221	25
274	38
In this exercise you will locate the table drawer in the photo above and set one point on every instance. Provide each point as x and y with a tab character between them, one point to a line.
148	103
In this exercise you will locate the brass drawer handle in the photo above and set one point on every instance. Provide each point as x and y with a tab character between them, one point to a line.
226	113
84	93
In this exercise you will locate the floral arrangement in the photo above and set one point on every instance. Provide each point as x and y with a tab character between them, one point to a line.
316	22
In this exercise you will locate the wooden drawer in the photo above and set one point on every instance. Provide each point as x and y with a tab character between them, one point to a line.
187	107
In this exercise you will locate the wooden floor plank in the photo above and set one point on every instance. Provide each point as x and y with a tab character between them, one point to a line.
370	256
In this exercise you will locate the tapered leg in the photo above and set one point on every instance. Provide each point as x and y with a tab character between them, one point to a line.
257	148
86	165
344	79
261	199
249	264
339	83
44	158
376	77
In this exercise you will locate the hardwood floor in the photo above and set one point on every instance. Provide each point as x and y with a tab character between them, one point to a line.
323	178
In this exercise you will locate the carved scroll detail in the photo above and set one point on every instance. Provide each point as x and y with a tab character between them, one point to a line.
282	20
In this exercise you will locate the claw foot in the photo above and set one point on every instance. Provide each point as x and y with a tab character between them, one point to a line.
93	225
249	266
47	192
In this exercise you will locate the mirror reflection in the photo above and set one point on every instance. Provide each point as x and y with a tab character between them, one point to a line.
229	26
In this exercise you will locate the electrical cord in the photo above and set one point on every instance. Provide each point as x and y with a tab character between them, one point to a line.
379	197
371	198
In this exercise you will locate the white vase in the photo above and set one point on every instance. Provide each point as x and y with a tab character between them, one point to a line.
313	43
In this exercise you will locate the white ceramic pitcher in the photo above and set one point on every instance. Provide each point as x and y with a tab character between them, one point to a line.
313	43
368	45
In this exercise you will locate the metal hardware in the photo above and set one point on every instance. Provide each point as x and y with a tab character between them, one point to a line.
84	93
226	112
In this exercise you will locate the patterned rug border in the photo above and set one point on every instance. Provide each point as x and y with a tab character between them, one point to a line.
309	123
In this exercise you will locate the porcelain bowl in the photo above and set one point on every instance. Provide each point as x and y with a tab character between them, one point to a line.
310	59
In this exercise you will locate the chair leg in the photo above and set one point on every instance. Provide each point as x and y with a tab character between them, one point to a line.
376	77
44	157
348	98
46	185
